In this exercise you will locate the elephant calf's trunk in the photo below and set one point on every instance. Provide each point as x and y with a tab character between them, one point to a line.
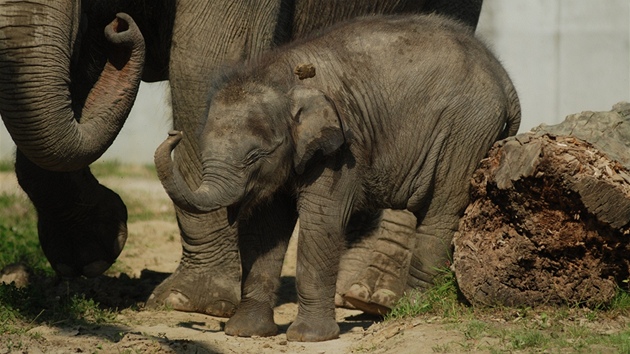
197	201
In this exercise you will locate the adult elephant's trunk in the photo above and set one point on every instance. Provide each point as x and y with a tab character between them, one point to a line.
206	198
36	42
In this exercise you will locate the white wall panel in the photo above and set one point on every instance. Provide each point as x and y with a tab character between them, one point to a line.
564	56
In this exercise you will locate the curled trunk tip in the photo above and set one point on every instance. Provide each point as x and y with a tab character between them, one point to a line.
123	32
201	200
175	135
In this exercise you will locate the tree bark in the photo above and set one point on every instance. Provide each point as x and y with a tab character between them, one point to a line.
549	218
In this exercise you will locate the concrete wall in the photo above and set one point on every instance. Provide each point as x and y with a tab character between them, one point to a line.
146	127
564	56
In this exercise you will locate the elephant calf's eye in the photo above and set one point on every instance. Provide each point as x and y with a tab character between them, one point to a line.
255	155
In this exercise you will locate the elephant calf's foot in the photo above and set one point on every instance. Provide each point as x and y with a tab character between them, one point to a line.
197	290
254	320
313	330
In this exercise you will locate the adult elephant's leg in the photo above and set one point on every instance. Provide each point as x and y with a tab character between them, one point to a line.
408	257
82	224
206	34
373	272
207	279
63	116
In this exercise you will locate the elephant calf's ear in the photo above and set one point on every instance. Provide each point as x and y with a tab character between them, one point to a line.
317	125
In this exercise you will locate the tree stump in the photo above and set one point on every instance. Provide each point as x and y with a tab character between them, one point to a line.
549	218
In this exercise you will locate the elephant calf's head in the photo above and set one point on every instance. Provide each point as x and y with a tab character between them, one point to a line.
256	136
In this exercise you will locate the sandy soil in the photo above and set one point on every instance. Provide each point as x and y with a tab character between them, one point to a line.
151	253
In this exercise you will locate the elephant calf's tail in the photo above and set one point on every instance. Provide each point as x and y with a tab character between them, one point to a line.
513	121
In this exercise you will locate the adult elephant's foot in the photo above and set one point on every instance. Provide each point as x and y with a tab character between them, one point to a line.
208	278
200	290
380	282
87	240
352	265
312	329
361	235
380	302
82	225
252	319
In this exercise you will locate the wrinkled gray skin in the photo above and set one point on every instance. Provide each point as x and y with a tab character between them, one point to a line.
56	91
399	113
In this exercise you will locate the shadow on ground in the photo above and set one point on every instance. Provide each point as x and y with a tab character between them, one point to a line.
95	308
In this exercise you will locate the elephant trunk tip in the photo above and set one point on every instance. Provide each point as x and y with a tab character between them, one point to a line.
162	153
172	181
173	139
124	33
121	23
175	135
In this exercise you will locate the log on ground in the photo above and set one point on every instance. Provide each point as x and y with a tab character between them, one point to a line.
549	218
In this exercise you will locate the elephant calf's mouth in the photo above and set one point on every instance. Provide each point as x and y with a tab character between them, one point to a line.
233	212
242	209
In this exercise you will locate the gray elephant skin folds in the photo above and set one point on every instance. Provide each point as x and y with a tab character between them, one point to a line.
397	113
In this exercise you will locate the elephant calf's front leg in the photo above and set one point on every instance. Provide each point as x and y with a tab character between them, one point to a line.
320	245
263	241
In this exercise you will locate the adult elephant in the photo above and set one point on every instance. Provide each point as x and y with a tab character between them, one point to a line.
66	89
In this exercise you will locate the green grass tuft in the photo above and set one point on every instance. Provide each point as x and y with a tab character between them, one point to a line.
7	166
528	339
438	300
499	330
621	301
22	308
620	341
18	232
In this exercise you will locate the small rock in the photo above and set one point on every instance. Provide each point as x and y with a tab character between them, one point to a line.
16	273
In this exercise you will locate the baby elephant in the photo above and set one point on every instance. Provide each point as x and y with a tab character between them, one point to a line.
381	112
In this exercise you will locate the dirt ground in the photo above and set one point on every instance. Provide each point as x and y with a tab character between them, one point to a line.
152	252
